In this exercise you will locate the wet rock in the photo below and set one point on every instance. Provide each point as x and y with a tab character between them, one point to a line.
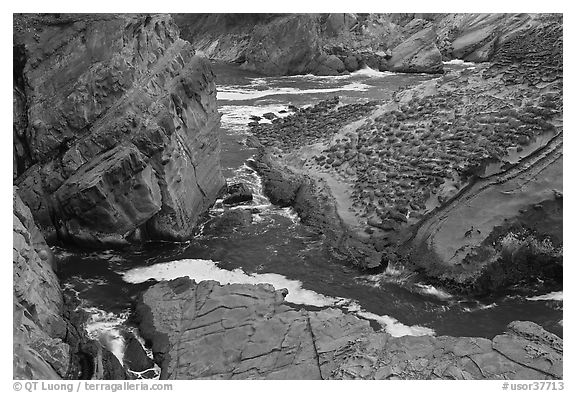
269	116
135	358
237	193
228	221
48	334
280	187
351	63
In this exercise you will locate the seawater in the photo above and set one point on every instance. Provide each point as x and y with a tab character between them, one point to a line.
277	249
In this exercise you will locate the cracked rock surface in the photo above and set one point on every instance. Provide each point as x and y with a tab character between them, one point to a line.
210	331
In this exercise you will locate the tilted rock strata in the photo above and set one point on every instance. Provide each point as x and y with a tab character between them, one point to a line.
417	54
398	164
122	128
209	331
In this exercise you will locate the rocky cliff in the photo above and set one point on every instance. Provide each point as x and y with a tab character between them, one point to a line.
49	338
330	44
116	128
209	331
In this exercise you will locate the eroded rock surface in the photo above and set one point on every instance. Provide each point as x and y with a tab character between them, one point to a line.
209	331
117	128
440	177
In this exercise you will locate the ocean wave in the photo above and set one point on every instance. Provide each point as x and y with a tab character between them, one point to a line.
478	306
228	93
364	72
396	328
367	71
556	296
201	269
432	291
459	62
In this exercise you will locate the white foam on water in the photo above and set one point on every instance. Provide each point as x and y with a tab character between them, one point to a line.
237	117
106	327
236	93
459	62
396	328
480	306
556	296
432	291
365	72
370	72
258	81
201	269
289	213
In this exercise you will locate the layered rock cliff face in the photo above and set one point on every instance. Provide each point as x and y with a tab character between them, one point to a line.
506	228
49	340
330	44
210	331
116	128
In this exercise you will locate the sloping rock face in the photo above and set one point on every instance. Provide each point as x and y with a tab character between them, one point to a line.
506	227
417	54
210	331
288	45
49	340
117	128
459	177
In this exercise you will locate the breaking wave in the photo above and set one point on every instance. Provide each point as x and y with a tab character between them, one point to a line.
556	296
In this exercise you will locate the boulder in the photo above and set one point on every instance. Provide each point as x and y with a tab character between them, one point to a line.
135	358
237	193
418	53
351	63
228	221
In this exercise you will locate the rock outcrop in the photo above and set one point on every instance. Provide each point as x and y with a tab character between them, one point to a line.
448	177
49	340
417	54
116	138
331	44
209	331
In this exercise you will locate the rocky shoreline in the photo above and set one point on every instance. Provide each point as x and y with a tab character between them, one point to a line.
459	179
390	169
49	337
115	142
210	331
